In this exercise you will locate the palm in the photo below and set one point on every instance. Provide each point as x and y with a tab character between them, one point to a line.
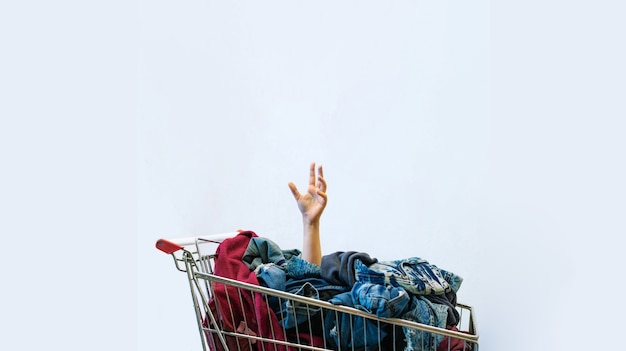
311	205
313	202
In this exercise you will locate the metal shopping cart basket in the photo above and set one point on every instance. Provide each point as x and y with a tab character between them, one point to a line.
232	314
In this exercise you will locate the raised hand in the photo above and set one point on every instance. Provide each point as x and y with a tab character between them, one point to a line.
311	205
313	202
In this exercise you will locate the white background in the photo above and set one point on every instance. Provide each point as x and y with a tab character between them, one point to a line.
486	139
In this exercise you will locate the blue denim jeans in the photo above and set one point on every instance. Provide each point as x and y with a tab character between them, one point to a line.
292	313
382	301
423	311
414	274
272	276
347	331
298	268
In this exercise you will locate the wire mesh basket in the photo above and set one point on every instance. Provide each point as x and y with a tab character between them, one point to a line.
235	312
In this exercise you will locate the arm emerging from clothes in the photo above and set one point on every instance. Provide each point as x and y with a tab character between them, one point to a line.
311	204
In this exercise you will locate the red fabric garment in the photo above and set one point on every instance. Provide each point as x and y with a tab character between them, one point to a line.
452	344
306	338
237	308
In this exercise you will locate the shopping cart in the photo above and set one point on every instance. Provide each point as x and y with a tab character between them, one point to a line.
237	315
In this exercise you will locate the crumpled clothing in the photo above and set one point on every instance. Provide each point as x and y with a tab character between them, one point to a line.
452	279
339	267
345	331
262	250
272	276
299	268
293	312
382	301
453	344
414	274
447	299
423	311
250	307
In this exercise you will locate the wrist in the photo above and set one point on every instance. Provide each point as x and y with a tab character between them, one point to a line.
315	223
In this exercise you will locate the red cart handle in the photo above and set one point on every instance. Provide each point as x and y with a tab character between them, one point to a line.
167	246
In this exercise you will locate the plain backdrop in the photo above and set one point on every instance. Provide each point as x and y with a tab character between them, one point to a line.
486	139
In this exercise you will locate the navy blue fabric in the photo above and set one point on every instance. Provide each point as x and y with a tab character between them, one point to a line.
347	331
292	313
338	268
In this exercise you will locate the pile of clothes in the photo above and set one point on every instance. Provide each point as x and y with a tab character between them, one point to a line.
410	289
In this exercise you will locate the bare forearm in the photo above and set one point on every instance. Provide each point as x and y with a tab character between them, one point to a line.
311	246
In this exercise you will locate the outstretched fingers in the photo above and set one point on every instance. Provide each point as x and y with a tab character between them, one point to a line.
321	184
317	183
322	194
312	174
294	190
